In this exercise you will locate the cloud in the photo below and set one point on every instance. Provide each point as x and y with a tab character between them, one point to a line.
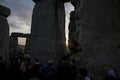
18	24
21	12
15	22
1	0
68	7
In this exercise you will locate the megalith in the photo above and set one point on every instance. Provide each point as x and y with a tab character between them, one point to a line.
73	44
13	42
72	36
98	31
47	39
4	32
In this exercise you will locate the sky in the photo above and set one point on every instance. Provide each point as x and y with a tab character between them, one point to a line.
21	14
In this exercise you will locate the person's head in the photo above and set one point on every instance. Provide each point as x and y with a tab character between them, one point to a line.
83	72
50	62
36	62
111	72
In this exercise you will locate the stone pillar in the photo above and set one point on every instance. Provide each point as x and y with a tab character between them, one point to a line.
27	46
65	0
99	35
13	42
73	43
118	8
4	32
48	30
72	28
76	3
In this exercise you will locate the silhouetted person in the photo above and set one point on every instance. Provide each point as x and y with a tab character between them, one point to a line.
49	71
73	64
111	75
84	74
65	70
36	69
27	69
14	69
2	69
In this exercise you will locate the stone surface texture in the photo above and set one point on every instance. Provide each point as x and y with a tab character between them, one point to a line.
73	35
98	30
13	43
4	32
48	30
73	45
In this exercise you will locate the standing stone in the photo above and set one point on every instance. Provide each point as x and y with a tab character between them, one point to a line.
118	13
48	30
99	35
72	28
73	36
4	32
13	42
76	3
27	46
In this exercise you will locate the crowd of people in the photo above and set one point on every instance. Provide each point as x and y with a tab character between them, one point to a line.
20	68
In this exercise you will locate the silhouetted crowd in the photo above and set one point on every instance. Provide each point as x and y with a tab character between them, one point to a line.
20	68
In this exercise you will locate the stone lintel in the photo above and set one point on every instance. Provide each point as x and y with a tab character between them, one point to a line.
4	11
65	0
35	0
61	0
20	35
